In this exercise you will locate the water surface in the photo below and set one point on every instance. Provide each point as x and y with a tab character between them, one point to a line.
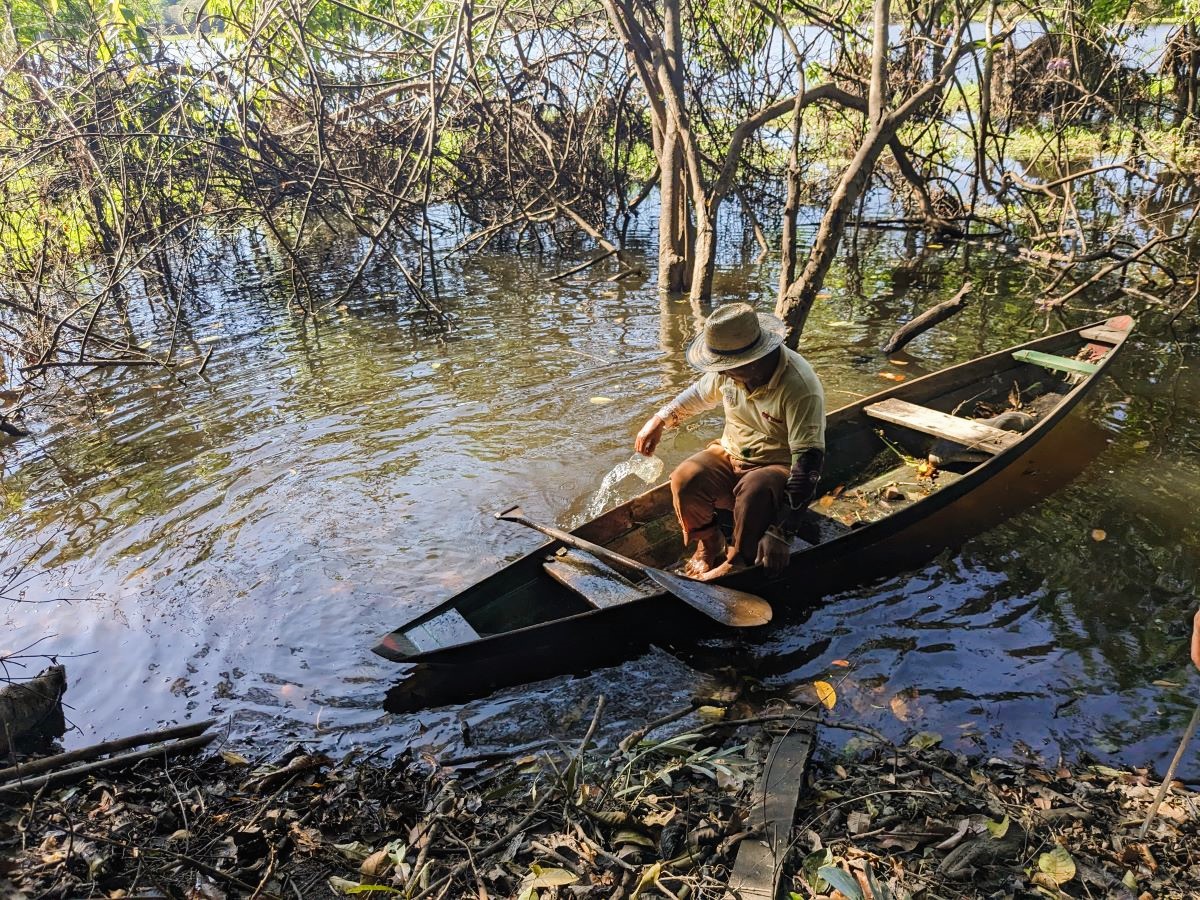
233	544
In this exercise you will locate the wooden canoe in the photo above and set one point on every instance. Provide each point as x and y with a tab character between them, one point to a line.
555	608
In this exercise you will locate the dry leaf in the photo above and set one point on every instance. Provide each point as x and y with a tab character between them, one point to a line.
1099	534
898	362
899	708
600	401
892	376
842	663
1058	865
858	822
375	863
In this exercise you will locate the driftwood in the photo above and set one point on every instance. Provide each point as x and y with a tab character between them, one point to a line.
1169	777
28	785
58	761
31	711
927	320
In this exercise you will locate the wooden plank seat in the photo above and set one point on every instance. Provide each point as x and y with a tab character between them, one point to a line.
1104	334
446	630
1055	363
968	432
595	582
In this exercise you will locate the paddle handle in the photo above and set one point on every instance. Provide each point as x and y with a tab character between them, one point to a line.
623	563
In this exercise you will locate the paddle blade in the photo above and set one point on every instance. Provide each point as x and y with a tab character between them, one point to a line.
734	608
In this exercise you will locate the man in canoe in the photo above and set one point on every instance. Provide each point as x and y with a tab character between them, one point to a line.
766	466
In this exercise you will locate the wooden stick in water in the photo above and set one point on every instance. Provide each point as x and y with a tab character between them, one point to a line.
36	766
1162	790
28	786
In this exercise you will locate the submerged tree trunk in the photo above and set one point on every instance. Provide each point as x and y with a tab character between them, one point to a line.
672	215
796	302
798	299
31	711
658	61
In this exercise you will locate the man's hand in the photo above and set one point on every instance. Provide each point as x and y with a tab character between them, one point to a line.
792	518
647	439
773	551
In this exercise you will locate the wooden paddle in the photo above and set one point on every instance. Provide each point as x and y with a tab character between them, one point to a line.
737	609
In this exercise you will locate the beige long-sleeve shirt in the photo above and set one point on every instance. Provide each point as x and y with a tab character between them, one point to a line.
770	424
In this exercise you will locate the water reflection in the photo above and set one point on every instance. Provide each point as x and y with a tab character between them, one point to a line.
244	537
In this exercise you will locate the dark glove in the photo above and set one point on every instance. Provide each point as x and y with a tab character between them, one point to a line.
801	487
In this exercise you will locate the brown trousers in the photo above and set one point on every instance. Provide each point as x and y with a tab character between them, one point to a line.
712	480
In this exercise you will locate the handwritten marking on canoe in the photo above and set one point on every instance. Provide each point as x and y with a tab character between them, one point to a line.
591	579
939	424
443	631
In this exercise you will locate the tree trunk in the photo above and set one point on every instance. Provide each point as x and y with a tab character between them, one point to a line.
791	208
31	711
797	302
672	215
985	108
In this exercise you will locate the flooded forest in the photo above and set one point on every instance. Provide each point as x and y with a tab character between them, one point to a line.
297	295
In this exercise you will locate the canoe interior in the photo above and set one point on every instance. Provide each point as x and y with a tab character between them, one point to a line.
870	479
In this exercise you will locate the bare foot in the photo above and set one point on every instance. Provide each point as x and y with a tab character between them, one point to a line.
710	550
724	568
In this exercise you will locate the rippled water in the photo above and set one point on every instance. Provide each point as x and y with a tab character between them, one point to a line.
234	543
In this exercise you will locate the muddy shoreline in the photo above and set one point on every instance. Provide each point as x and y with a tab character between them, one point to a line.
671	809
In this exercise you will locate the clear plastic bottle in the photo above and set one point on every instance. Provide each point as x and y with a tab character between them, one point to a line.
647	468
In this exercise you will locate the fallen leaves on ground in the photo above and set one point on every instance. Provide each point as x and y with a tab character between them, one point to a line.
924	821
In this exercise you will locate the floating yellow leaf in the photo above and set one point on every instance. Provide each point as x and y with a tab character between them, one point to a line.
825	693
1099	534
600	401
899	708
1058	865
1141	445
892	376
898	362
843	663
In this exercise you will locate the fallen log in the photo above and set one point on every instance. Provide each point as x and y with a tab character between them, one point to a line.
927	320
49	763
28	785
31	711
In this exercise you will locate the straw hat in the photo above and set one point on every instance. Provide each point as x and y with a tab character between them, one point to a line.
734	335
